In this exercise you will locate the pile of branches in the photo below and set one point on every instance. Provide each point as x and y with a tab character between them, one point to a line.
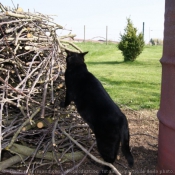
34	129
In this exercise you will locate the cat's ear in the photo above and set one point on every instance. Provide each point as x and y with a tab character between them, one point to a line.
84	53
69	53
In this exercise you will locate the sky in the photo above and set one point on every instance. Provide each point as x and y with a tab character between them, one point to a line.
95	15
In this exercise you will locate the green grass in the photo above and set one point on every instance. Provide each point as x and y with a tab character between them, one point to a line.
133	84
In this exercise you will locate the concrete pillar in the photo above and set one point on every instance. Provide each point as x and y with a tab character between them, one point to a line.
166	114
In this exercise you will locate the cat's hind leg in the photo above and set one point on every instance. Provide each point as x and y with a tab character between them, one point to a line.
108	150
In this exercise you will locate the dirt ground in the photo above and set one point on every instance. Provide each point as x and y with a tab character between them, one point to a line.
143	142
144	145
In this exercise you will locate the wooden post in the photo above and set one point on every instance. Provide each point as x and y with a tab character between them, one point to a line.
143	29
106	35
84	33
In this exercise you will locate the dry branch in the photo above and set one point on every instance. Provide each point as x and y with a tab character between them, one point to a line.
89	154
32	85
11	161
20	128
26	151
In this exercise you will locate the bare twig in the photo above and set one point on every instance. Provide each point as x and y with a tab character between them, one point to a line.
20	128
144	134
90	155
32	85
53	132
76	166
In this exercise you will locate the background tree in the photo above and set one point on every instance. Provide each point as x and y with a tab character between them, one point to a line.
152	42
131	44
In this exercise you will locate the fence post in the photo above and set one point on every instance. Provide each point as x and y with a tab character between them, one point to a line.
106	35
143	29
84	33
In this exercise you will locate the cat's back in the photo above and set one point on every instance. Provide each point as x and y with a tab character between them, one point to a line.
89	90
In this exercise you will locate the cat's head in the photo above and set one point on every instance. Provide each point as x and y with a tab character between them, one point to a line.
74	58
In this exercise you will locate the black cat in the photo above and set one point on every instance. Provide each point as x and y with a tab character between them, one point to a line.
95	106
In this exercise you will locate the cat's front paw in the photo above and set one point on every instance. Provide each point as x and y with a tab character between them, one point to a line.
62	104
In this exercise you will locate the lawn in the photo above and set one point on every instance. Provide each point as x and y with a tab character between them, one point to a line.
132	84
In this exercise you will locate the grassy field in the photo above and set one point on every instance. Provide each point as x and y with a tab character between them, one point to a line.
133	84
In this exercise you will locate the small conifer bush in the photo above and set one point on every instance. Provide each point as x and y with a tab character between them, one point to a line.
131	44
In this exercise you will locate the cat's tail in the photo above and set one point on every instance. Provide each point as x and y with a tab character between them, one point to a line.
125	144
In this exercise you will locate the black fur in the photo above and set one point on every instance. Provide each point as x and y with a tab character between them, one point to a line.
95	106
